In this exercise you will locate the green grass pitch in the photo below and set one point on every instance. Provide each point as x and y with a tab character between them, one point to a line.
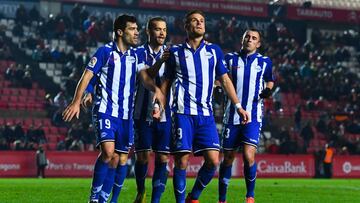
76	190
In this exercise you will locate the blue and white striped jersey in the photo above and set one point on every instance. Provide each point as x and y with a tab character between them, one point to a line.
193	74
116	79
143	102
249	73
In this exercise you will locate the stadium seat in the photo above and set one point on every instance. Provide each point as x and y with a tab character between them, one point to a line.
3	104
28	121
53	130
6	91
2	121
51	146
23	92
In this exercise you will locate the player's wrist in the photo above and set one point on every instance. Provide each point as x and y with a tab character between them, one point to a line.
238	106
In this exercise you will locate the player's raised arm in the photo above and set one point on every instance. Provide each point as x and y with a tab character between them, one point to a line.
73	109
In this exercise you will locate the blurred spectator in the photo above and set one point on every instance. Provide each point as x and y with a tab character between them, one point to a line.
34	14
21	15
307	134
297	118
41	162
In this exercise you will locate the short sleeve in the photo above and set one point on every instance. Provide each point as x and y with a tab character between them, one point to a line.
141	58
97	61
268	75
220	68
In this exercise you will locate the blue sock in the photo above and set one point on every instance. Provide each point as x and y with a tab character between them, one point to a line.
100	171
158	181
120	175
140	175
179	181
250	178
224	178
107	186
203	178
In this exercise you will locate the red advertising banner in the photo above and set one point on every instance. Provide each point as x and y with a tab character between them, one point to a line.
323	14
238	8
282	166
346	167
60	164
80	164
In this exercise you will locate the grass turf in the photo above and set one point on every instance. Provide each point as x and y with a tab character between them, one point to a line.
267	190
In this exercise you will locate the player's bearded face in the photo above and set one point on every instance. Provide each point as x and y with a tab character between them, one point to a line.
158	32
196	25
131	34
251	41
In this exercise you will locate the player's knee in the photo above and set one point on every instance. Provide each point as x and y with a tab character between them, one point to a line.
162	158
114	161
249	158
123	159
229	157
212	163
107	155
142	158
181	162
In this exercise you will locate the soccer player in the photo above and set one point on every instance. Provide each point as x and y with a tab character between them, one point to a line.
192	68
249	71
152	134
115	66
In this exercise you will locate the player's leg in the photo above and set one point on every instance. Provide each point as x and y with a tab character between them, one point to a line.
161	147
206	143
225	173
124	139
101	169
229	143
181	147
205	173
120	175
249	169
179	177
160	176
109	180
251	133
141	168
143	136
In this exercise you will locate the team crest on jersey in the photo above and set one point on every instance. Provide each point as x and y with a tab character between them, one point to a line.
258	68
92	62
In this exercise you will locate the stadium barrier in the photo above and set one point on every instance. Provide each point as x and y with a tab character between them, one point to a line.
80	164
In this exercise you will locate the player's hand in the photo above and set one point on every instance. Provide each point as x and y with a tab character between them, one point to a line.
266	93
245	116
165	55
72	110
86	101
159	97
156	112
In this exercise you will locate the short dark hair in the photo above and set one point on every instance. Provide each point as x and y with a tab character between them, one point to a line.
255	30
120	22
150	23
187	20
